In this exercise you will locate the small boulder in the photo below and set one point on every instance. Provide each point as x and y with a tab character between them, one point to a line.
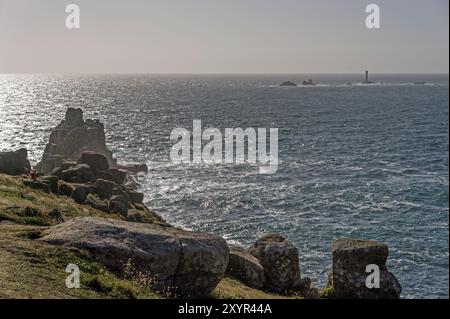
118	204
80	173
96	161
56	216
246	268
95	202
51	181
280	261
65	188
118	175
80	193
104	188
351	256
135	197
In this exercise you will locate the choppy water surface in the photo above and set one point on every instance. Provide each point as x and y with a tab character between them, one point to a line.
362	161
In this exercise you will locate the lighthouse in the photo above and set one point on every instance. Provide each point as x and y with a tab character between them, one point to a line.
367	78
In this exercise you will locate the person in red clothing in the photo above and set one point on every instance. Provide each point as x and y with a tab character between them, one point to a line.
33	174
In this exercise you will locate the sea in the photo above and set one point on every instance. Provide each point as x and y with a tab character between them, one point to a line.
368	161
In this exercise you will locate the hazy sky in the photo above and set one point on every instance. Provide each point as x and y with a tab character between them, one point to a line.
224	36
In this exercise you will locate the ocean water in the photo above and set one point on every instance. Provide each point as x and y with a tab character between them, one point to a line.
359	161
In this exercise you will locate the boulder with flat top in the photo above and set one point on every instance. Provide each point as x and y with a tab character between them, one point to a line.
360	272
182	263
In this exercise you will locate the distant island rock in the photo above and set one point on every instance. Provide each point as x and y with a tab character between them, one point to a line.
309	82
288	83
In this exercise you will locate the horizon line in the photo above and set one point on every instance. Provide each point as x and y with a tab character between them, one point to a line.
223	73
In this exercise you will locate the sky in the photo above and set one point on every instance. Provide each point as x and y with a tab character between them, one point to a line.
224	36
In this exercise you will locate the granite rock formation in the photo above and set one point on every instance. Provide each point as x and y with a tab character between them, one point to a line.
182	263
351	256
71	138
280	261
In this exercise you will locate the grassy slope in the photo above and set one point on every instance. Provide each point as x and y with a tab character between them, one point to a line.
31	269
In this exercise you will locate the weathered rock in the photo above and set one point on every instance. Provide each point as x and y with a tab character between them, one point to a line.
36	185
74	117
65	188
246	268
51	181
71	138
57	171
14	163
185	263
118	204
280	261
96	161
104	188
95	202
80	193
118	175
135	197
56	215
123	192
351	256
80	173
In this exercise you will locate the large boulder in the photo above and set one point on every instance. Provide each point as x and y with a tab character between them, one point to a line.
96	161
185	263
280	261
71	138
351	257
14	163
246	268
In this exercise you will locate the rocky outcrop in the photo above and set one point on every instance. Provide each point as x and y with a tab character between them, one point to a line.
184	263
72	137
350	260
309	82
14	163
246	268
280	261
